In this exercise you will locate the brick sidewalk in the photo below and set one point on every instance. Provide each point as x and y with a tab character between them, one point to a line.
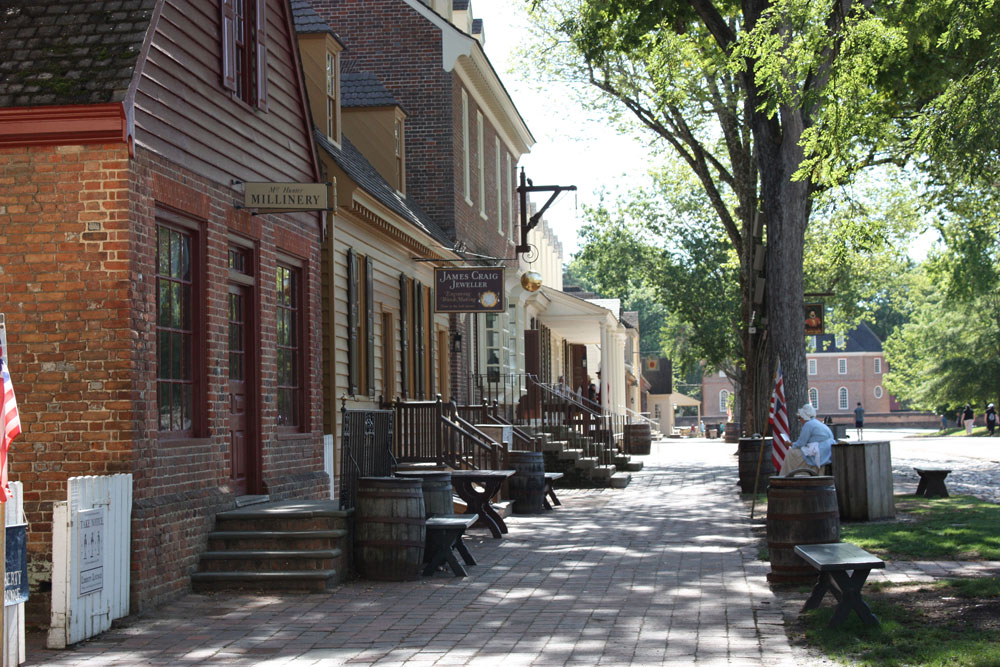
664	571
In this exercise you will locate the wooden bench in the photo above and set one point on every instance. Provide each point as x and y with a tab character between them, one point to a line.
833	562
444	538
931	483
549	491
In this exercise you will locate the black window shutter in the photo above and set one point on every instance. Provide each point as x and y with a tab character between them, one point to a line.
418	335
370	322
260	46
228	10
352	322
404	334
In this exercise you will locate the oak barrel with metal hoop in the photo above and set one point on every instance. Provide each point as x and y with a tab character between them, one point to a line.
390	527
527	486
436	487
800	510
749	452
638	438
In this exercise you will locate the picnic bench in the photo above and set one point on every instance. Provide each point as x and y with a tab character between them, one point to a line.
549	491
833	562
931	483
444	538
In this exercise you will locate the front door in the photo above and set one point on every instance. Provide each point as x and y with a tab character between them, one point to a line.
240	362
578	363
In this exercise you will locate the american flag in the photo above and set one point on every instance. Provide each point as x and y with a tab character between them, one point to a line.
778	418
10	423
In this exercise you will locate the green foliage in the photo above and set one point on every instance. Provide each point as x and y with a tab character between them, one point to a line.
955	528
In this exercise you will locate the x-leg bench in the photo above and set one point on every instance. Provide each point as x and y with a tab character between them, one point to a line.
833	562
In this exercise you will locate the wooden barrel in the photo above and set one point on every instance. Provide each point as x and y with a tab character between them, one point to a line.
800	510
527	486
638	438
749	451
436	487
390	528
733	432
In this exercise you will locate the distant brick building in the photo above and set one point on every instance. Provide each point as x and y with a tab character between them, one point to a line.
155	327
841	372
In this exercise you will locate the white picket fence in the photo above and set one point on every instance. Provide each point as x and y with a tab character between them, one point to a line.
13	640
328	461
90	558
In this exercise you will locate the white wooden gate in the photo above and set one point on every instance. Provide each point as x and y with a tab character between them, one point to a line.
91	542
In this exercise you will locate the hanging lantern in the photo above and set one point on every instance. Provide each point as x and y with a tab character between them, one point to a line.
531	281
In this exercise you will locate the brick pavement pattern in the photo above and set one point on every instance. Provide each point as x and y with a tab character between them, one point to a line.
662	572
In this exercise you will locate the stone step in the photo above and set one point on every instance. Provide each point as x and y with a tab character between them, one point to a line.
603	472
587	462
620	480
246	540
257	560
555	445
306	580
570	454
633	466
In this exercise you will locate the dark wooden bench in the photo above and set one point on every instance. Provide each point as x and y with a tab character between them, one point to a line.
549	491
931	483
444	538
833	562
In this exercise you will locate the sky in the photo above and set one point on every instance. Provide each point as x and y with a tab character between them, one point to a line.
571	148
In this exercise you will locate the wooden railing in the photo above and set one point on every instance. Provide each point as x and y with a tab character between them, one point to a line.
486	413
434	432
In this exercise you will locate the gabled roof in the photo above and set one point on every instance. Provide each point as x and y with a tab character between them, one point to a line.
64	52
307	21
364	89
354	163
859	339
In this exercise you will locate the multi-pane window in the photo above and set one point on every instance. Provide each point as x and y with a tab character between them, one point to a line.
288	311
842	398
839	341
360	324
400	165
723	401
466	150
244	50
878	365
481	162
842	366
175	330
499	187
494	347
812	367
814	397
332	108
511	339
416	334
510	202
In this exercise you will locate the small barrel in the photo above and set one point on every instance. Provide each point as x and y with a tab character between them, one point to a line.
527	486
732	432
436	487
800	510
749	452
390	528
638	438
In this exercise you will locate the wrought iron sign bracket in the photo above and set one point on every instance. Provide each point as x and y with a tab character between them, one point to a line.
527	224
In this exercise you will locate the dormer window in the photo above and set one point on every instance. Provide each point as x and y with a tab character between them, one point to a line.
400	157
244	50
332	93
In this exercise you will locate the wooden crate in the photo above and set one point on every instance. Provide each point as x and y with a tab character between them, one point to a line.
863	476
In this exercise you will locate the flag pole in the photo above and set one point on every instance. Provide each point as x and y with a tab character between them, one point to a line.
760	452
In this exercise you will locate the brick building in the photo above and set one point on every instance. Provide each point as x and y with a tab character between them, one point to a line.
156	327
842	370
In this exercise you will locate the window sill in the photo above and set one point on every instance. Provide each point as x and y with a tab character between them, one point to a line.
284	437
168	438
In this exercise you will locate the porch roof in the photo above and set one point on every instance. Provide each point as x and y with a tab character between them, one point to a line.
575	319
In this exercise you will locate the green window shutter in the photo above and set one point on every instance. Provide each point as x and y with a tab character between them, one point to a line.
370	322
404	334
352	323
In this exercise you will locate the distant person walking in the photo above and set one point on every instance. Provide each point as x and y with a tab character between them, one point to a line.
968	418
991	418
859	419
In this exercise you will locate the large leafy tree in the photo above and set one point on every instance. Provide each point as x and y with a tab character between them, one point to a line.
767	102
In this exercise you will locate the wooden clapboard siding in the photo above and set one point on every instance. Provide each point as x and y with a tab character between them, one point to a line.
183	113
372	131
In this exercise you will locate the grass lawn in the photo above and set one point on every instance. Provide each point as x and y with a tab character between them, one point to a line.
956	528
954	622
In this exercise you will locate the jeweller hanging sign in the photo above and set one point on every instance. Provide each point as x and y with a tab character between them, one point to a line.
469	289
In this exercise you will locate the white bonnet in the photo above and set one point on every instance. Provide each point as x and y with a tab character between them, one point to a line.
807	411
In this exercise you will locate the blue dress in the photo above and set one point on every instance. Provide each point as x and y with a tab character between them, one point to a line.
818	432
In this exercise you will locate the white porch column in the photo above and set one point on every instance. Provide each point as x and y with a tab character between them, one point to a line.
606	371
620	400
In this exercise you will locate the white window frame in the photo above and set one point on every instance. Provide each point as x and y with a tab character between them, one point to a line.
843	402
724	401
812	366
878	365
814	397
841	366
333	97
510	200
722	374
467	150
839	340
481	162
499	188
878	391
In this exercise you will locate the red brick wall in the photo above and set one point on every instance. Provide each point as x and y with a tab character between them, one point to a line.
77	287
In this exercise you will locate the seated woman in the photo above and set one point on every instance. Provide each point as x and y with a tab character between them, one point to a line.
813	448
